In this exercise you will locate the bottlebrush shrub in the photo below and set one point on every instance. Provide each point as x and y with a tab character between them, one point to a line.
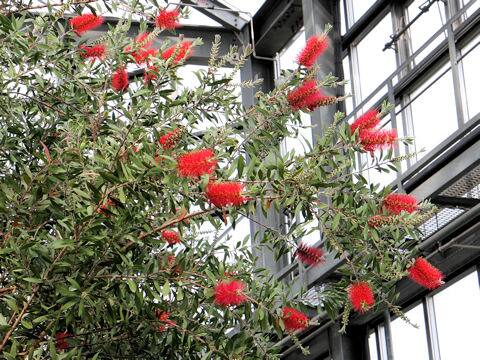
97	184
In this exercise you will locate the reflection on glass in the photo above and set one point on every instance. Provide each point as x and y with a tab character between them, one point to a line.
348	85
458	316
426	25
433	112
372	346
360	7
409	342
470	73
375	65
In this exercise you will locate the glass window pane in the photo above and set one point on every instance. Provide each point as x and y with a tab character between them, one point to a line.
470	73
434	114
409	342
374	64
372	346
427	24
458	316
360	7
348	85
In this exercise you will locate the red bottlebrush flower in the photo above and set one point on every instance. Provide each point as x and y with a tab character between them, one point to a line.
223	194
163	316
361	296
315	46
308	96
168	19
61	340
373	139
197	163
396	203
82	23
425	274
120	79
367	121
379	220
142	51
230	293
169	140
294	319
151	73
309	255
170	236
93	52
181	52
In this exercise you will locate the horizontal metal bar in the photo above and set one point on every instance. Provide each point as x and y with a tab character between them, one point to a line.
230	18
452	227
457	202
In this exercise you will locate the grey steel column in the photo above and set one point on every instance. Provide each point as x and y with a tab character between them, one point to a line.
317	14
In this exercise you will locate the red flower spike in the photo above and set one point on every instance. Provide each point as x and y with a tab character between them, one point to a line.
168	19
223	194
230	293
143	52
425	274
61	340
169	140
367	121
197	163
93	52
163	316
171	237
315	46
396	203
361	296
377	221
294	319
83	23
181	51
373	139
120	79
309	255
151	73
308	97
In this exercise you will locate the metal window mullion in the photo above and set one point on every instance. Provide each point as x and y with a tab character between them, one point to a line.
432	332
452	50
388	335
381	343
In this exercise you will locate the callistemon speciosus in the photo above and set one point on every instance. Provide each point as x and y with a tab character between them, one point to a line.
164	318
168	19
229	293
376	221
315	46
308	97
369	120
169	140
197	163
396	203
142	51
375	139
120	79
425	274
294	319
180	52
151	73
361	296
61	342
93	51
227	193
83	23
309	255
171	237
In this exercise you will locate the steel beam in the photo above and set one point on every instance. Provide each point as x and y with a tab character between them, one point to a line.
201	53
219	12
275	23
454	201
